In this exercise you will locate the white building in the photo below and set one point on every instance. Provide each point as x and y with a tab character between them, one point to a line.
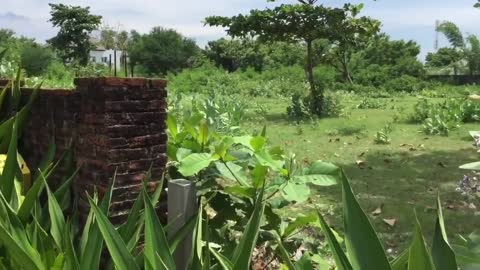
102	56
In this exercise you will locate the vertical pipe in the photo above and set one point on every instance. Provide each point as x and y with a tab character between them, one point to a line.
110	63
125	64
182	205
114	63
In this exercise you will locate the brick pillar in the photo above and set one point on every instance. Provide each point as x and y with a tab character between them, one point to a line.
121	128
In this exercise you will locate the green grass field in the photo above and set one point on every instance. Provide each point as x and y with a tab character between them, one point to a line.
401	177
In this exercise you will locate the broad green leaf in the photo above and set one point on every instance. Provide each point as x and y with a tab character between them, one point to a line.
475	134
203	135
194	163
442	253
259	174
265	159
364	249
298	223
317	179
305	262
243	140
475	166
258	143
239	191
172	126
116	246
324	168
233	172
419	257
155	240
71	260
341	259
297	192
243	252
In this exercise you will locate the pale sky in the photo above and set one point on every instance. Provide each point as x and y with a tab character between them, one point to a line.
405	19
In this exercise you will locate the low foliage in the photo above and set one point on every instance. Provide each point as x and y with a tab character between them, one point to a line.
383	136
441	118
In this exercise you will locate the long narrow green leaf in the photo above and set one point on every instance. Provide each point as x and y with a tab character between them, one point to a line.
71	259
363	247
243	252
442	253
92	242
18	232
224	261
186	229
401	261
57	218
3	95
7	179
341	259
16	252
419	257
116	246
155	240
283	252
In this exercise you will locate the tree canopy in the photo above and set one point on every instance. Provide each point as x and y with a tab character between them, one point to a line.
73	39
162	51
305	21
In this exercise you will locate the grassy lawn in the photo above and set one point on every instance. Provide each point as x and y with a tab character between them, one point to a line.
400	177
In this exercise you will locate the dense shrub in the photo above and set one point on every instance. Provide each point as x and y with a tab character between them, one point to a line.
34	59
301	107
405	83
441	118
368	103
209	79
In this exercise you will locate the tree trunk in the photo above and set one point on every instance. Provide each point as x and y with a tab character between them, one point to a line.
316	95
346	71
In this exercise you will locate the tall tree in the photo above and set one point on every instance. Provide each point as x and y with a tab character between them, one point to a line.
108	37
468	48
73	39
352	35
305	21
162	51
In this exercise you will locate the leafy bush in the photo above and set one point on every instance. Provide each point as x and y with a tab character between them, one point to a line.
383	136
34	59
441	118
368	103
405	83
208	79
305	107
297	108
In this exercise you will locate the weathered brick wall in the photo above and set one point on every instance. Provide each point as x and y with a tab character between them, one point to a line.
115	124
